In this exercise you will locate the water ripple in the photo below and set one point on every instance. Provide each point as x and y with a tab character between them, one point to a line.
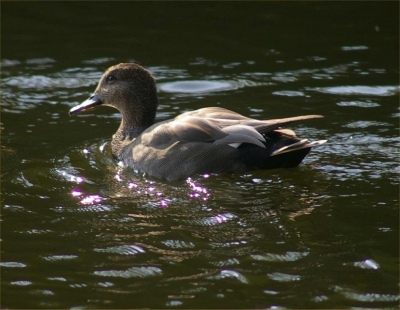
133	272
365	297
123	250
12	265
288	257
358	103
367	264
54	258
204	86
283	277
40	82
359	90
231	274
178	244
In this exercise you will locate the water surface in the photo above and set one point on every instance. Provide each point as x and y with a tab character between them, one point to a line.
80	232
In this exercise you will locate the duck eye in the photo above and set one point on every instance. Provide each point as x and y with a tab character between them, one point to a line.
110	78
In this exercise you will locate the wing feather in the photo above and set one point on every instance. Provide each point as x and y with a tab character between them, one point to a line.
222	127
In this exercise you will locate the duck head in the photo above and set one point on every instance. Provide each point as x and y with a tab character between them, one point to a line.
129	88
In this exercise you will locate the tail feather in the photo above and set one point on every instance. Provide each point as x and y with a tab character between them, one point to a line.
269	125
302	144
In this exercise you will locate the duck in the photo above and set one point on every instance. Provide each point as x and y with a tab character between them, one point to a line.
204	141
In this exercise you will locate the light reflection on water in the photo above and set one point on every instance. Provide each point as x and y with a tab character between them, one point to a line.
204	87
360	90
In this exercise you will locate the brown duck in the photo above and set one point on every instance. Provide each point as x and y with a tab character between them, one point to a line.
208	140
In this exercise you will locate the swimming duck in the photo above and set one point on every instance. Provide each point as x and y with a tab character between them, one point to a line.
208	140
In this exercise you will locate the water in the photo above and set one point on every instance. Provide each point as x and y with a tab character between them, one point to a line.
78	231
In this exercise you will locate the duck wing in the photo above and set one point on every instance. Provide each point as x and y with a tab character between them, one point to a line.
214	113
219	126
224	117
192	128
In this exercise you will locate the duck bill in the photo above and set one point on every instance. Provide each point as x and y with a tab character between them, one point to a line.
89	104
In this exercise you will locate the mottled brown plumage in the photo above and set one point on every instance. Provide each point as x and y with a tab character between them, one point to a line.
208	140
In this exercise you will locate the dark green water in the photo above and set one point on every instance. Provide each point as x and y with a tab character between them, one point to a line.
79	232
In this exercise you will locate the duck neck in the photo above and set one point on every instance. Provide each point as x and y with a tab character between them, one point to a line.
132	125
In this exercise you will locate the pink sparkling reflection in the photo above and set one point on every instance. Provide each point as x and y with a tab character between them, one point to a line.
197	191
132	185
220	218
91	199
76	193
76	179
